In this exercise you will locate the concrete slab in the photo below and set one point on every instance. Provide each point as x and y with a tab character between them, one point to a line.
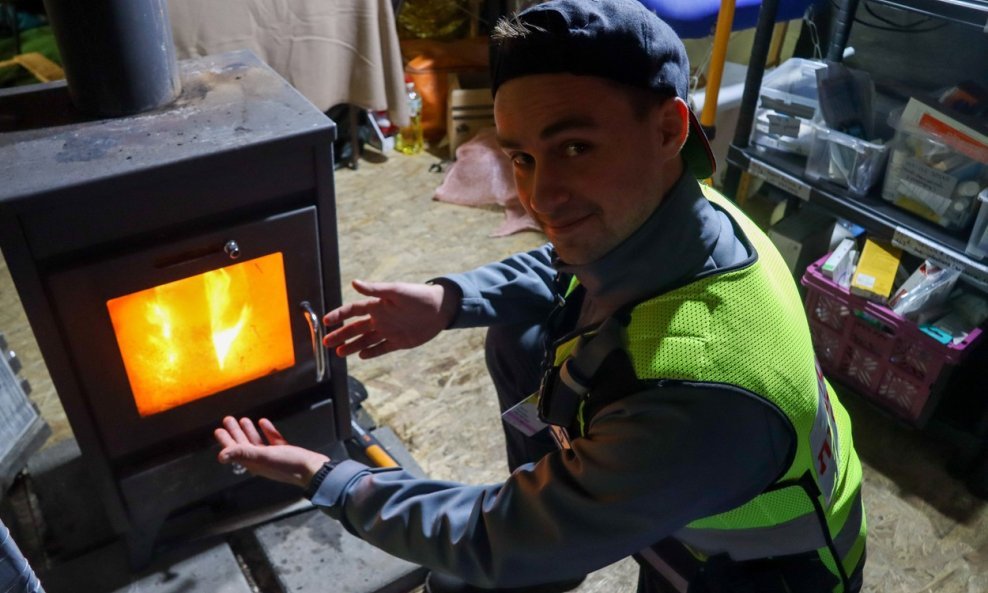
309	551
205	567
301	551
71	514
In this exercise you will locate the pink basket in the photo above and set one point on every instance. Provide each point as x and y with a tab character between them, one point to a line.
883	356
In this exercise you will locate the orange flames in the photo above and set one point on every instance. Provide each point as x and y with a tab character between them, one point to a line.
194	337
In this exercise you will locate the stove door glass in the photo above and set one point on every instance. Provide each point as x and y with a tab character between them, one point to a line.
197	336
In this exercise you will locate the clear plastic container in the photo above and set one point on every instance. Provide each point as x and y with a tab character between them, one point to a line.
788	103
791	88
782	132
977	244
845	160
932	180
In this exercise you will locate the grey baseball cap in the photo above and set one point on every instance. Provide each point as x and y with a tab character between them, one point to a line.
619	40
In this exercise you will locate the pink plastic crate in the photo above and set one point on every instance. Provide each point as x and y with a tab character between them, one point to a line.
881	355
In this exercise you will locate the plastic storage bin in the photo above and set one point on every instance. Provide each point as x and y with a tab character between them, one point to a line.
788	103
791	88
977	244
883	356
928	178
781	132
845	160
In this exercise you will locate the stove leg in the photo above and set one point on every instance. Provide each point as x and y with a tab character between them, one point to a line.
354	137
140	540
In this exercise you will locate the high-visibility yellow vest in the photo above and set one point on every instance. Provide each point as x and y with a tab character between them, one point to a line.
746	327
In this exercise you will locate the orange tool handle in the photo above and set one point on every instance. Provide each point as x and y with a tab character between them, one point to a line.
379	456
372	448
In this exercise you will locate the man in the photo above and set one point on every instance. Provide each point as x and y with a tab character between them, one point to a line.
688	424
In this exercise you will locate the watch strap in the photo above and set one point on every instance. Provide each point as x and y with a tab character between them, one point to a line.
318	478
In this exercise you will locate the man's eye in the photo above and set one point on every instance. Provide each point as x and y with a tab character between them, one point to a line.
521	159
575	148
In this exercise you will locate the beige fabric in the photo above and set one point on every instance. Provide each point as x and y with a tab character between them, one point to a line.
332	51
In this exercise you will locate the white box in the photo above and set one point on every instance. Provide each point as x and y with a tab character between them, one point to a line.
469	109
837	263
977	244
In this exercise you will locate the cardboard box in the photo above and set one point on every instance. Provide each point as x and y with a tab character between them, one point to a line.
767	206
471	107
802	237
876	272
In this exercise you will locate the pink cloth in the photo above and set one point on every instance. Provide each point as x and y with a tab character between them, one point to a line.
481	176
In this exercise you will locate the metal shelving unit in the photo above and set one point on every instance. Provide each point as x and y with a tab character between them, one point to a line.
973	13
878	217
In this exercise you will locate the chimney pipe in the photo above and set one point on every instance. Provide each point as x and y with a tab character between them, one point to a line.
118	55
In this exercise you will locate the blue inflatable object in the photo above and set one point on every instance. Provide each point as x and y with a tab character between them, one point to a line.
693	19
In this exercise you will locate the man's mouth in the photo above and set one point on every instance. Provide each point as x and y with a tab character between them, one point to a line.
563	226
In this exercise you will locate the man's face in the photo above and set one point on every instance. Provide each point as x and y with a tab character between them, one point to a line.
587	167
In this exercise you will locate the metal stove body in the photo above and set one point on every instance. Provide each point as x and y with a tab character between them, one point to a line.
174	265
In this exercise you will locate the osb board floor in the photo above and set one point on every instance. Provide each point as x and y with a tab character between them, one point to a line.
928	534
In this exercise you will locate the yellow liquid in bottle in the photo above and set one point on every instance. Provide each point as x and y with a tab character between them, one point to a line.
410	140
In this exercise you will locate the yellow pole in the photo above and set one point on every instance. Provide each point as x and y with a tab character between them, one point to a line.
722	34
775	48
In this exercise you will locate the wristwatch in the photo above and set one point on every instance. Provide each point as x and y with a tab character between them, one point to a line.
318	477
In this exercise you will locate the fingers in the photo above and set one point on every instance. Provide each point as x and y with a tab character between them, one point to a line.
250	431
372	289
234	436
378	349
223	438
349	331
271	433
229	450
233	428
359	345
344	312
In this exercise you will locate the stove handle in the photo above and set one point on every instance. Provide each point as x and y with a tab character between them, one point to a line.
315	330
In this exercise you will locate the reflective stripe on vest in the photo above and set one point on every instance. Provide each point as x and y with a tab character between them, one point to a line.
802	534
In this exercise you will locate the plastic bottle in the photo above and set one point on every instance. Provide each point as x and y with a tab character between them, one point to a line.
410	140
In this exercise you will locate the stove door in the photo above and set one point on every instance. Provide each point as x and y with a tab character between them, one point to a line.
169	339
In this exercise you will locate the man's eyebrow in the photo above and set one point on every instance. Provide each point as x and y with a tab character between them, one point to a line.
553	129
567	124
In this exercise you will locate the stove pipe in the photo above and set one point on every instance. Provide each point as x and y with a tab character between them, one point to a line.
118	55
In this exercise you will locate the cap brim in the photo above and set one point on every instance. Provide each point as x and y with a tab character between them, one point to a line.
696	151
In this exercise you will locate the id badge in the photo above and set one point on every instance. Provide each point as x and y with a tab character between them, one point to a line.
525	415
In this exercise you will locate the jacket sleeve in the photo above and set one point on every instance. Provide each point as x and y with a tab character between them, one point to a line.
517	289
649	464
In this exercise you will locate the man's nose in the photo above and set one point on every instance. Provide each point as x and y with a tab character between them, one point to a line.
548	189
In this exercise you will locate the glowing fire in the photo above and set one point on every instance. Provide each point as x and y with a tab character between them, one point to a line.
194	337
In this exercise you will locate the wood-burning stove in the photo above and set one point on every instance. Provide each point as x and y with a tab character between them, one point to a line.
174	266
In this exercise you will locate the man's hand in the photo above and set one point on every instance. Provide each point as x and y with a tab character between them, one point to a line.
397	315
275	460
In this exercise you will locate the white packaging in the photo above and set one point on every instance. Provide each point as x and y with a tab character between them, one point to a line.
977	244
837	259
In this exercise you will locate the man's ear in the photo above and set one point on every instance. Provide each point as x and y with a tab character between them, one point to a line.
672	123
